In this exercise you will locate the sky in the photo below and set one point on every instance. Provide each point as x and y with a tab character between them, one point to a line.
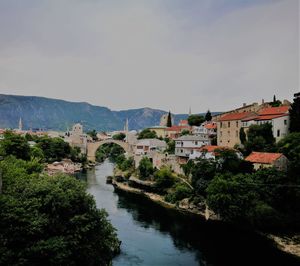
165	54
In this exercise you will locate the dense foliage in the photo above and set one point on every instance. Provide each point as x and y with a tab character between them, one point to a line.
195	120
50	220
145	168
109	150
93	134
147	134
295	115
119	136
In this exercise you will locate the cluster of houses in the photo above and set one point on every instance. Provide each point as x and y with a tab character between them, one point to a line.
225	130
191	142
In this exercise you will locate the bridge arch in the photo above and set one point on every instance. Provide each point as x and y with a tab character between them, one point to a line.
92	147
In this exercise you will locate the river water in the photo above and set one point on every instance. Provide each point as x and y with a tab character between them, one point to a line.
152	235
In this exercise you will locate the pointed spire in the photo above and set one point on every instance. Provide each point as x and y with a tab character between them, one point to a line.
20	124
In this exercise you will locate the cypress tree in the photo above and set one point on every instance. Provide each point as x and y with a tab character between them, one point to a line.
208	116
169	121
295	114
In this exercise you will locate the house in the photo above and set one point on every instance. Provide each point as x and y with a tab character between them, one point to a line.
183	123
208	128
267	159
146	146
175	131
228	128
185	145
278	117
159	130
210	152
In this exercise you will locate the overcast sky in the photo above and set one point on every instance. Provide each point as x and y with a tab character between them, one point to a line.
167	54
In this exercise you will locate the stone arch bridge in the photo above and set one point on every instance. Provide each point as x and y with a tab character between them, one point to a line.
92	147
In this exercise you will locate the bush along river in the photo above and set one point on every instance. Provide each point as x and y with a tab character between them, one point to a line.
154	235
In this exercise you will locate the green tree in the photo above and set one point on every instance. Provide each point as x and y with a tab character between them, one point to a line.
171	147
179	192
147	134
260	138
93	134
120	136
51	221
195	120
15	145
275	102
295	114
169	120
185	132
164	178
145	168
242	136
208	116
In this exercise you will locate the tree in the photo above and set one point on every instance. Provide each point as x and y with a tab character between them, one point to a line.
260	138
242	136
208	116
295	115
120	136
93	134
145	168
171	147
147	134
169	120
164	178
51	220
195	120
290	147
15	145
185	132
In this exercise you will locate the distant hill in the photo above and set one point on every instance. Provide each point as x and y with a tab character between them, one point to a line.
53	114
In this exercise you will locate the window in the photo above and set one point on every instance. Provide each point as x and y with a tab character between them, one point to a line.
228	124
285	122
236	133
278	133
237	123
196	142
221	125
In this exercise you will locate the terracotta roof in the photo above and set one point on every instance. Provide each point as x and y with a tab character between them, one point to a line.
269	117
177	128
212	148
263	157
236	116
274	110
211	126
183	122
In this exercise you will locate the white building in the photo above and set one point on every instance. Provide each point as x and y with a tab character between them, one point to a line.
145	146
185	145
209	152
278	117
207	128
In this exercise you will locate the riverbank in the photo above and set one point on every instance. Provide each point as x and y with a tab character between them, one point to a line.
289	244
158	199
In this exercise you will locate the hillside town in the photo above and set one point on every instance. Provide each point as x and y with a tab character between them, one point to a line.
190	140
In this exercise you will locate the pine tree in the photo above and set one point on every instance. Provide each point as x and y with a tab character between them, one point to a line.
208	116
169	121
295	114
274	99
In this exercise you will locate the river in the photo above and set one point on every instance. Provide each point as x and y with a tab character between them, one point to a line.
153	235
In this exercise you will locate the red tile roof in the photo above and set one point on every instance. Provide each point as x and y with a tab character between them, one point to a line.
211	126
274	110
212	148
269	117
177	128
236	116
263	157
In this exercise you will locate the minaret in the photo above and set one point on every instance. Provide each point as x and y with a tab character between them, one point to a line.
20	124
126	129
190	111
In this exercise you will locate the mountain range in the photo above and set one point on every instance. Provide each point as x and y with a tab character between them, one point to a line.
53	114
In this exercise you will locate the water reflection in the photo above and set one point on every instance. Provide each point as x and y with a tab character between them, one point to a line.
153	235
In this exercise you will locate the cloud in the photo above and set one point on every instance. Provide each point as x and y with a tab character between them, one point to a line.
161	54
